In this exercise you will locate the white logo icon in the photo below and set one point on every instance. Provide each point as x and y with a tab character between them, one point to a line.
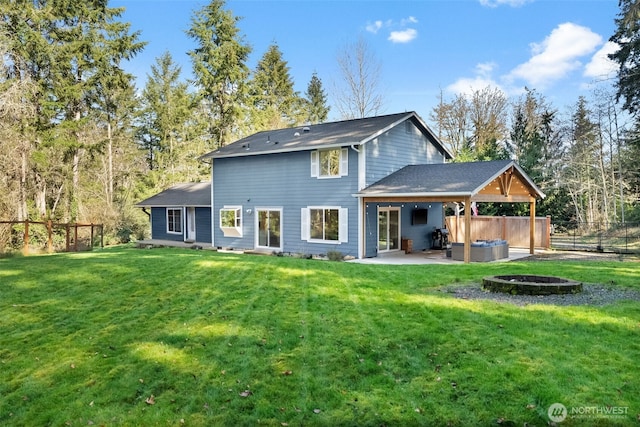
557	412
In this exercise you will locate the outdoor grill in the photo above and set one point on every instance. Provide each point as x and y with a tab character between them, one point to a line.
439	238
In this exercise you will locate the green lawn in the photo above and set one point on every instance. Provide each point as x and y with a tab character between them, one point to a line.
126	336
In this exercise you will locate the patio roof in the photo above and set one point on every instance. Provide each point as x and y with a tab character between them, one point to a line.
492	181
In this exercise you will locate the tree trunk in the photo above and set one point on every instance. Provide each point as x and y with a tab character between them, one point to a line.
109	165
22	213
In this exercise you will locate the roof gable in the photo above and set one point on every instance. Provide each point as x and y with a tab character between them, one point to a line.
323	135
190	194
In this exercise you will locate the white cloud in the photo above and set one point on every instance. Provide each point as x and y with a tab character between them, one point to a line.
374	27
399	31
600	66
557	55
496	3
409	20
483	78
404	36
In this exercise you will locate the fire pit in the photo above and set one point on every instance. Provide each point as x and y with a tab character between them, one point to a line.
528	284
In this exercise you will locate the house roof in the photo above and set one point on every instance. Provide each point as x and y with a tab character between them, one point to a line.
323	135
499	180
191	194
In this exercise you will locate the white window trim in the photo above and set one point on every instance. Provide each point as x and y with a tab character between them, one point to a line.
231	231
343	225
181	210
343	164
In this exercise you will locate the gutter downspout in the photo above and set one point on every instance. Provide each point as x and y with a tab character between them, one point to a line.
362	250
213	230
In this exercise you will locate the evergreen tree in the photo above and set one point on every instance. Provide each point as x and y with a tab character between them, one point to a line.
580	172
168	131
274	102
536	146
627	37
72	52
219	65
316	108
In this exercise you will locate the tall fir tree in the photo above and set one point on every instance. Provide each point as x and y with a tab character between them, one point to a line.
167	115
316	108
219	65
627	37
274	102
580	172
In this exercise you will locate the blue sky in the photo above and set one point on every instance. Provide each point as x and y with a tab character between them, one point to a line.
425	47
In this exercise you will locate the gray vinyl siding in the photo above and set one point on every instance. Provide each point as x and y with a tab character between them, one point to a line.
419	234
203	225
401	146
159	226
282	181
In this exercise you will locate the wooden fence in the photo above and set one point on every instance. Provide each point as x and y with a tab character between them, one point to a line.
513	229
72	232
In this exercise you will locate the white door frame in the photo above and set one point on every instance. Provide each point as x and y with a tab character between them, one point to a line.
191	224
387	209
257	228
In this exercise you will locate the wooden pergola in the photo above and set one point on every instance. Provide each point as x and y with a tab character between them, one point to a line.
494	181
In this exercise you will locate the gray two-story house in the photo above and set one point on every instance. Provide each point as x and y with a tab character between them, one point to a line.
296	190
358	187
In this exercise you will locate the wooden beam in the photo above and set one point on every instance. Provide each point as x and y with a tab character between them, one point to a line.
467	230
512	198
505	181
415	199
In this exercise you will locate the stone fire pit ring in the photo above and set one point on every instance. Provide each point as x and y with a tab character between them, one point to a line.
530	284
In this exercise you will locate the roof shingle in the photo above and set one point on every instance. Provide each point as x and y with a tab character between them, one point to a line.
441	179
190	194
323	135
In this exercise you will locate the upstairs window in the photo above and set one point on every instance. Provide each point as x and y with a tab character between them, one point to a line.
174	221
330	163
231	221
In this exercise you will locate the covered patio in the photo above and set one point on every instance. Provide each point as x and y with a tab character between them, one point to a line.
501	181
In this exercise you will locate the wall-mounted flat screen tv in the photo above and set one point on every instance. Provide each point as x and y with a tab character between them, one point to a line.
419	216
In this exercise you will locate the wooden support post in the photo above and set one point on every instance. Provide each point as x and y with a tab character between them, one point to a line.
91	244
467	230
75	237
49	237
68	242
25	249
532	226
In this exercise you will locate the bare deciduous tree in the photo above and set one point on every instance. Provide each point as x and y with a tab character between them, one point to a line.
358	94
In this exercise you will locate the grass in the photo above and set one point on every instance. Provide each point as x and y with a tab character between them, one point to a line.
124	336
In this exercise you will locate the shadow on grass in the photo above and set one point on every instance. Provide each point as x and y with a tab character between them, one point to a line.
225	339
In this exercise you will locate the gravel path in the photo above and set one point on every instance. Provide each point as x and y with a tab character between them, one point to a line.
595	295
592	294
